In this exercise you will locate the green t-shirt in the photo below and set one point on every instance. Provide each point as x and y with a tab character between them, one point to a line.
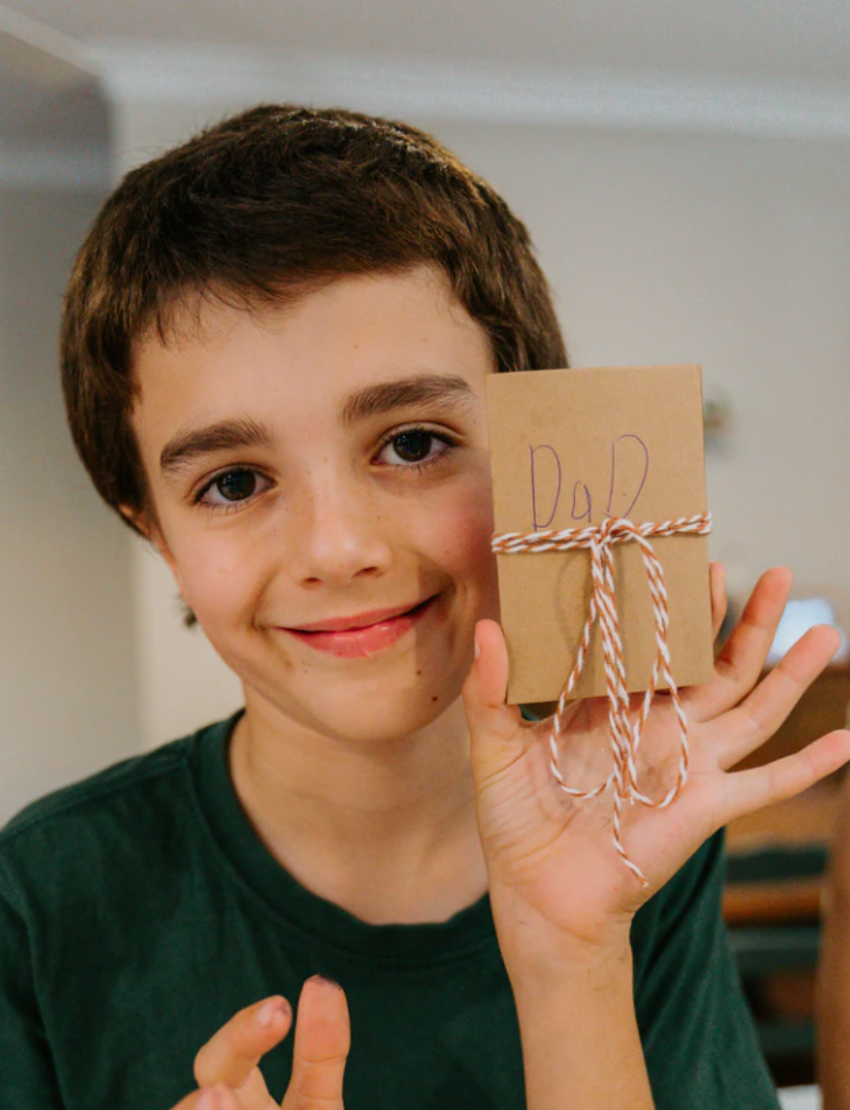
139	911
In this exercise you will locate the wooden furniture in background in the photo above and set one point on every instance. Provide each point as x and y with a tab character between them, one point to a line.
822	708
776	864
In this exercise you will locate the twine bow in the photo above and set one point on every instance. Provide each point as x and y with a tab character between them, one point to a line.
625	737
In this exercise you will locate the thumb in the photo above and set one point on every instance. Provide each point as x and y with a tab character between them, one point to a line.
322	1044
495	729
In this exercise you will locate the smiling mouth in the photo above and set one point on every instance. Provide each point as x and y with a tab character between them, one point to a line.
365	635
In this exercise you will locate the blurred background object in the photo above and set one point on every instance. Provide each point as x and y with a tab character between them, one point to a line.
717	420
67	656
803	613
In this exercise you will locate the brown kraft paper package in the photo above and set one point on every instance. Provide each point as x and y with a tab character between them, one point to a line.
568	449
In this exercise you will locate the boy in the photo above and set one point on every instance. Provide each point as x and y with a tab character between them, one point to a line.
275	346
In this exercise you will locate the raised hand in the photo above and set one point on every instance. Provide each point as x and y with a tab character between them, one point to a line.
227	1067
551	859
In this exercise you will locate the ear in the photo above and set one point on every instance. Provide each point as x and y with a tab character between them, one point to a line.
146	526
150	530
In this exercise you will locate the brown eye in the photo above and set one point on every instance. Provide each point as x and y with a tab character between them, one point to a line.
414	449
233	488
412	446
238	485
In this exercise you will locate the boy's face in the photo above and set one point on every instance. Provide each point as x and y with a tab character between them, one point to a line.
321	482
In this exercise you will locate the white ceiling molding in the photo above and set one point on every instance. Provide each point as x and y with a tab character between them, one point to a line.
44	167
42	37
157	73
134	71
53	122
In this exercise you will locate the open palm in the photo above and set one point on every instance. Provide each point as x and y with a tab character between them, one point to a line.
551	856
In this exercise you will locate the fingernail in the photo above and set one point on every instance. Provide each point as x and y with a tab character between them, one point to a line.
476	650
324	980
269	1011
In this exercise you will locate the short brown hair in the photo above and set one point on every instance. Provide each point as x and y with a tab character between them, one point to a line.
261	208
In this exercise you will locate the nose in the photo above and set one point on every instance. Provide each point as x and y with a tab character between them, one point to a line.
338	533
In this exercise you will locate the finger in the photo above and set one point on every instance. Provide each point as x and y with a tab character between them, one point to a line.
218	1097
747	791
322	1044
760	715
495	728
719	603
232	1054
742	657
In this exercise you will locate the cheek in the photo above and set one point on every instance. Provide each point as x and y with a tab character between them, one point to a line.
465	537
217	581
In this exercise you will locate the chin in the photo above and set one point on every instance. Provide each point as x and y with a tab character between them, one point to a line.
388	717
370	716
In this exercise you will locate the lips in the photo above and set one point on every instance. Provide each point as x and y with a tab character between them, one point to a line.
362	635
362	620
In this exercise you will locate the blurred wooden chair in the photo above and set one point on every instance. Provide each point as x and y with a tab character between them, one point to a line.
772	911
776	861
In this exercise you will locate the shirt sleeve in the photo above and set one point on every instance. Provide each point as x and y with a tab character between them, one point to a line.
698	1035
27	1075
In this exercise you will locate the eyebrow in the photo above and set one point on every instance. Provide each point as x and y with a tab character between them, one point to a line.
227	435
443	390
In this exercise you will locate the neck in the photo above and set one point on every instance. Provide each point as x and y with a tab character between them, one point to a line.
385	831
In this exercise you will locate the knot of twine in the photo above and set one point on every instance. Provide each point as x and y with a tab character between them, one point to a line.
625	736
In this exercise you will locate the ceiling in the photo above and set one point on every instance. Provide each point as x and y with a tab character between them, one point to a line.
801	39
779	66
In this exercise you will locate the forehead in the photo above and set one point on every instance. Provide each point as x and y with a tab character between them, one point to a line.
329	343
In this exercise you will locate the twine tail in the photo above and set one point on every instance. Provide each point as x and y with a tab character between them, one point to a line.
624	736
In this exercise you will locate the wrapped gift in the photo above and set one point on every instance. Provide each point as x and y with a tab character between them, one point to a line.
613	459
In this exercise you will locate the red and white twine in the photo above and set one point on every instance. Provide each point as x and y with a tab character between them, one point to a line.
625	736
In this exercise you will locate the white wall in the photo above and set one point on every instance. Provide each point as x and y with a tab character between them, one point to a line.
67	686
661	248
731	252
